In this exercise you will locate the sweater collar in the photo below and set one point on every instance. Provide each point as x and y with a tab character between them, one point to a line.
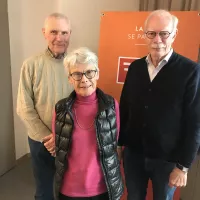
88	99
165	59
50	53
103	101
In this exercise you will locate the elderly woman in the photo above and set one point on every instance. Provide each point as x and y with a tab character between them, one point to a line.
86	128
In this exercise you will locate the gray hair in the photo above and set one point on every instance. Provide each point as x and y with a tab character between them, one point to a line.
57	16
163	13
82	55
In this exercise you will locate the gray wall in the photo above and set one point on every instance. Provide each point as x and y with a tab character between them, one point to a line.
7	149
26	18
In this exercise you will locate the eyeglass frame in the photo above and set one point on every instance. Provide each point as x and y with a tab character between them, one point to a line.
84	73
158	33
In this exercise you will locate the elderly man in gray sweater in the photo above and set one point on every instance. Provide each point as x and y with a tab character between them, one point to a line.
43	83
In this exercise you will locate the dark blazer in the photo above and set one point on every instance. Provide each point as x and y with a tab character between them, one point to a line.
161	119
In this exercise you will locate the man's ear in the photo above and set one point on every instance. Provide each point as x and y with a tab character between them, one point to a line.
175	34
43	32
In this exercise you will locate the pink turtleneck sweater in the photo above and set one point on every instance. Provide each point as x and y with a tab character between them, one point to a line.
84	176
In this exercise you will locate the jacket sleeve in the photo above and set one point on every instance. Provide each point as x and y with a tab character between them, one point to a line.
25	104
191	120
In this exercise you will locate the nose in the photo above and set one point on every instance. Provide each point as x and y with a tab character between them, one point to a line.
157	38
84	79
59	37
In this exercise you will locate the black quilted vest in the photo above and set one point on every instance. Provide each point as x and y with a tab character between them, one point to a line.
106	133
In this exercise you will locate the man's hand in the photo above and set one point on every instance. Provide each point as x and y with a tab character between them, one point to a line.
177	178
49	143
119	152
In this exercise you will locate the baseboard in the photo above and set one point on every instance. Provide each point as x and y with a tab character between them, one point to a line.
23	158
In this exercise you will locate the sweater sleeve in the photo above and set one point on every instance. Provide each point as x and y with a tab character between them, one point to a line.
25	105
124	109
191	121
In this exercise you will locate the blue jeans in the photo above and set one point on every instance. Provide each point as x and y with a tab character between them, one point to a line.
139	169
43	165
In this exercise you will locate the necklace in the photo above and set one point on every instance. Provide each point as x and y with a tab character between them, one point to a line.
80	126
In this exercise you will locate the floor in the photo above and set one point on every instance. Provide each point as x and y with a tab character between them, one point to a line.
18	183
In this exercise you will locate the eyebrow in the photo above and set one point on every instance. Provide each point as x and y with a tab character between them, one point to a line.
63	31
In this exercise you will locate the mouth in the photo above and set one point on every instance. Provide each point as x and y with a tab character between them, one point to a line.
85	87
60	45
157	47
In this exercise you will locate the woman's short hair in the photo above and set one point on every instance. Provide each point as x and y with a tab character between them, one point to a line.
82	55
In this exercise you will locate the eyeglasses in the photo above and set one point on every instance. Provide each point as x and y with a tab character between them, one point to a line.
162	34
77	76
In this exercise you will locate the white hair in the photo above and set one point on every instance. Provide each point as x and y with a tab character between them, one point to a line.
163	13
82	55
57	16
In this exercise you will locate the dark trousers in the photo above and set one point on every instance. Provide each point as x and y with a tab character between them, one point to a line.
139	169
43	165
103	196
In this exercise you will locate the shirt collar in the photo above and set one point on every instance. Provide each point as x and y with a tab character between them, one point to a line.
166	58
50	53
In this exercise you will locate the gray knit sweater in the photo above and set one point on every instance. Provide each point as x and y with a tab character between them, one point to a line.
43	82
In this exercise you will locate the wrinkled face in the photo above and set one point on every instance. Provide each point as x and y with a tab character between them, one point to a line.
158	46
85	86
57	34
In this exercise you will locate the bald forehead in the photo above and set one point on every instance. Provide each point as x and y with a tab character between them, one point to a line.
52	21
165	19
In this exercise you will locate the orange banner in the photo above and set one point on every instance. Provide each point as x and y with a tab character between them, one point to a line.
122	41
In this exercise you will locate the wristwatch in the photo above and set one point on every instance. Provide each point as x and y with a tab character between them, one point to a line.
182	168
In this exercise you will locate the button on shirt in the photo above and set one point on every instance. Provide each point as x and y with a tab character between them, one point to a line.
153	71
